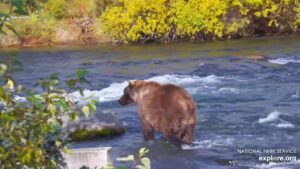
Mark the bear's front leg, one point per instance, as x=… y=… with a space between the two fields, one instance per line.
x=148 y=130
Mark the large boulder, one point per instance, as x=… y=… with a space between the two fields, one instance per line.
x=95 y=126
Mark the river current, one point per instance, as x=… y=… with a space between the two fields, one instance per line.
x=243 y=104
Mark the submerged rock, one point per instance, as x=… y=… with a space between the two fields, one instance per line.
x=94 y=126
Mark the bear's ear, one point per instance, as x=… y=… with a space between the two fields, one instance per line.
x=131 y=83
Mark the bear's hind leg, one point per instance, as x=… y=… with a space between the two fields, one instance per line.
x=148 y=131
x=175 y=140
x=173 y=135
x=188 y=135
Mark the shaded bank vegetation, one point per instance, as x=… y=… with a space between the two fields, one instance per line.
x=140 y=21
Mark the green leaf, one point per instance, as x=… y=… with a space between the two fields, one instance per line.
x=63 y=104
x=53 y=76
x=54 y=82
x=92 y=107
x=71 y=83
x=80 y=91
x=52 y=109
x=143 y=151
x=73 y=116
x=82 y=73
x=93 y=101
x=3 y=69
x=20 y=88
x=66 y=150
x=85 y=111
x=58 y=143
x=10 y=84
x=24 y=141
x=146 y=162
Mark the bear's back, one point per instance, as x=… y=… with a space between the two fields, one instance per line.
x=171 y=101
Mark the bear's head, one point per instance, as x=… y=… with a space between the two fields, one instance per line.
x=130 y=94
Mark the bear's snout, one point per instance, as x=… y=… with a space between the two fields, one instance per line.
x=121 y=102
x=124 y=100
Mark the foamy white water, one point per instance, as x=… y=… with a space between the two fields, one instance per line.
x=271 y=117
x=115 y=90
x=285 y=124
x=274 y=119
x=296 y=95
x=283 y=61
x=185 y=79
x=20 y=99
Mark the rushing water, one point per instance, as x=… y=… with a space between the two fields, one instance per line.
x=242 y=103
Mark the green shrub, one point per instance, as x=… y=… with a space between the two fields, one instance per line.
x=55 y=8
x=69 y=8
x=36 y=27
x=75 y=8
x=32 y=133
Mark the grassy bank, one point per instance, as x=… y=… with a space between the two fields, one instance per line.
x=142 y=21
x=34 y=31
x=52 y=22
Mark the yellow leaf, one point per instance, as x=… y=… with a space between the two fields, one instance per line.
x=10 y=84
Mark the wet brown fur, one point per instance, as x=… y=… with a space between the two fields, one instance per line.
x=165 y=108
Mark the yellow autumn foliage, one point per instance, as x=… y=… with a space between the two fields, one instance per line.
x=171 y=20
x=167 y=20
x=137 y=20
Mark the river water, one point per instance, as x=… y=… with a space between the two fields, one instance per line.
x=243 y=104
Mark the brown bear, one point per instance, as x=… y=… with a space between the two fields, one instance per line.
x=166 y=108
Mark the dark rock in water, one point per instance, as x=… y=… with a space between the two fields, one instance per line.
x=87 y=63
x=94 y=126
